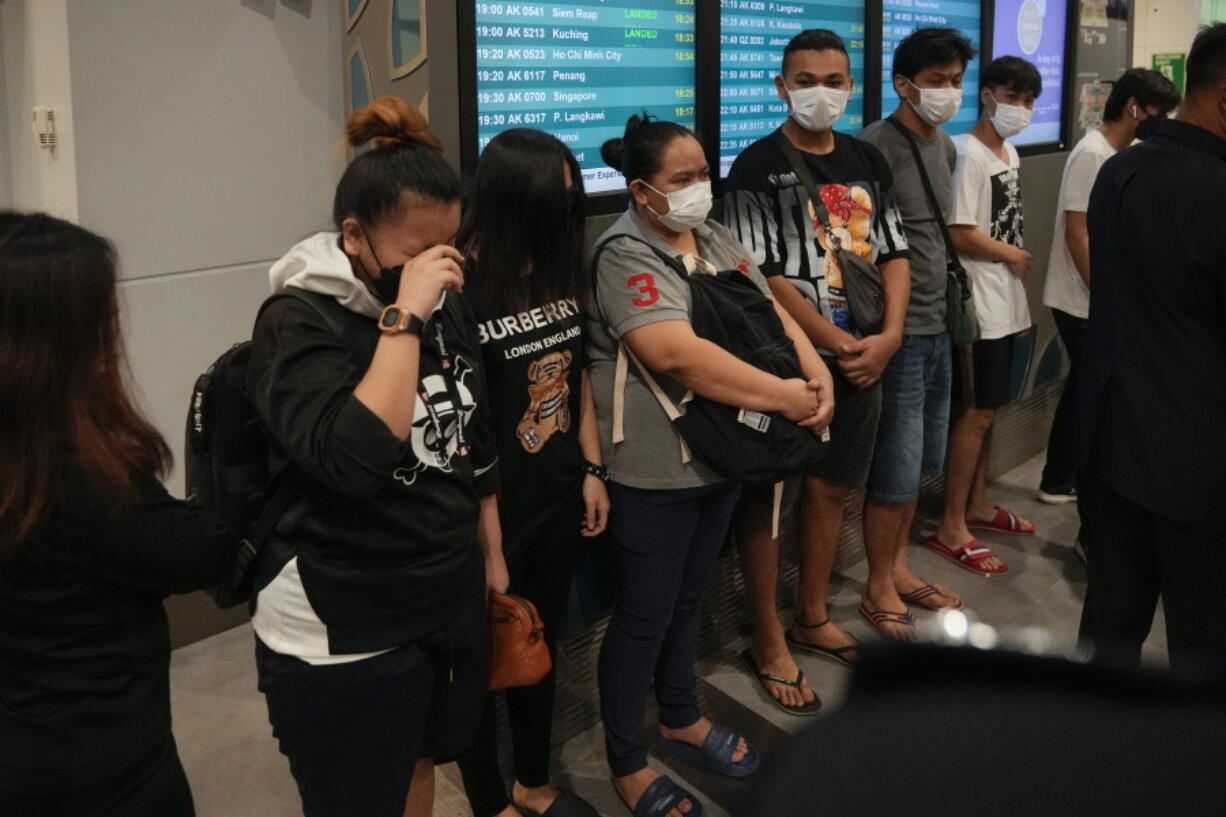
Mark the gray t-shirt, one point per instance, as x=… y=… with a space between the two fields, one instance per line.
x=634 y=287
x=926 y=312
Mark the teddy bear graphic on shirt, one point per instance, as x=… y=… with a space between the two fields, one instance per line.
x=548 y=409
x=851 y=220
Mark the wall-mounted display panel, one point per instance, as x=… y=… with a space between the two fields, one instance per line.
x=1036 y=30
x=902 y=17
x=579 y=70
x=753 y=35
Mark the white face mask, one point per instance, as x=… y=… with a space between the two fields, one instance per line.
x=1010 y=120
x=687 y=208
x=937 y=105
x=818 y=108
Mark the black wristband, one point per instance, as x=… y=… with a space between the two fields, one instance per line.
x=598 y=471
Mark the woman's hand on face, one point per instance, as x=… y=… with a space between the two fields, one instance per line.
x=596 y=506
x=799 y=401
x=427 y=276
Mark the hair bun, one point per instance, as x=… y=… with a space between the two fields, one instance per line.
x=390 y=120
x=612 y=152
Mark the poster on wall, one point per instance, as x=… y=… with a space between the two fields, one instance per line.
x=1102 y=55
x=752 y=38
x=579 y=70
x=1035 y=30
x=902 y=17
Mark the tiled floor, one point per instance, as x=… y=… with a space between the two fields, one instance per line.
x=236 y=771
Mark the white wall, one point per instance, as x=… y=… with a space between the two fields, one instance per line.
x=207 y=145
x=35 y=71
x=1163 y=27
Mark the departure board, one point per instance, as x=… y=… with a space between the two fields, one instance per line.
x=753 y=34
x=579 y=70
x=900 y=18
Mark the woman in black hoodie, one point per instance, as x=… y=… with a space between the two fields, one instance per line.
x=90 y=544
x=371 y=618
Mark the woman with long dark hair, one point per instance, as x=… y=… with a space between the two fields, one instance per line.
x=522 y=236
x=670 y=512
x=372 y=642
x=90 y=544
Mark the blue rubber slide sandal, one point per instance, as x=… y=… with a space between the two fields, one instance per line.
x=716 y=752
x=662 y=796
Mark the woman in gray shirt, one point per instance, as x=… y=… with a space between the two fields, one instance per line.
x=670 y=513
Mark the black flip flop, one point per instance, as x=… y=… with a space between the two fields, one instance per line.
x=811 y=708
x=836 y=654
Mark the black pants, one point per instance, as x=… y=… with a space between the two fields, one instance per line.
x=353 y=732
x=664 y=544
x=1137 y=556
x=155 y=785
x=1060 y=472
x=541 y=572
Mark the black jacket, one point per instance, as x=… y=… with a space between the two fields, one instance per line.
x=385 y=530
x=1152 y=394
x=84 y=643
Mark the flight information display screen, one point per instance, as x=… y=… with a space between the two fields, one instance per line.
x=901 y=17
x=579 y=70
x=1036 y=30
x=753 y=34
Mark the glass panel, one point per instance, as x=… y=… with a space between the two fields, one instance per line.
x=406 y=31
x=359 y=88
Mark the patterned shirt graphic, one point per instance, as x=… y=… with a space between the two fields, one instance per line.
x=768 y=209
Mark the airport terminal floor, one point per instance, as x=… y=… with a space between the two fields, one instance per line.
x=231 y=758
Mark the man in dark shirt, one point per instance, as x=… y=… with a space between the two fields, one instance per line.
x=768 y=207
x=1152 y=402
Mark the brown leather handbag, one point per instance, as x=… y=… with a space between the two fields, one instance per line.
x=519 y=656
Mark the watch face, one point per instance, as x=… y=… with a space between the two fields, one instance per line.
x=389 y=318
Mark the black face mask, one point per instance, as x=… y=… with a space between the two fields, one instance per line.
x=1149 y=126
x=387 y=285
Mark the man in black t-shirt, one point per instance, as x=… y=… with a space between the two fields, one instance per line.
x=769 y=209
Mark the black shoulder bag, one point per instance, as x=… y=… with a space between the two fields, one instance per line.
x=861 y=278
x=960 y=317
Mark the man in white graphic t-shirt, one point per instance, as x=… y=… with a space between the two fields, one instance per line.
x=985 y=224
x=1139 y=100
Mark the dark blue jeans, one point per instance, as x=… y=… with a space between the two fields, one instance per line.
x=664 y=545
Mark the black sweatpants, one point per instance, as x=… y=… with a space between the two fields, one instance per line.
x=1060 y=471
x=541 y=572
x=353 y=732
x=1138 y=556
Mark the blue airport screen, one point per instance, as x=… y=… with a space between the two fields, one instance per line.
x=579 y=70
x=753 y=34
x=1036 y=30
x=900 y=18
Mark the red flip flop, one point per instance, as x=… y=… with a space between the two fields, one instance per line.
x=967 y=557
x=1004 y=522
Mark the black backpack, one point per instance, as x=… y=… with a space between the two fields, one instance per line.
x=749 y=447
x=226 y=456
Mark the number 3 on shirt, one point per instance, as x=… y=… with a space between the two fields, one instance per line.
x=646 y=285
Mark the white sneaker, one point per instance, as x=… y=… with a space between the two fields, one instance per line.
x=1055 y=499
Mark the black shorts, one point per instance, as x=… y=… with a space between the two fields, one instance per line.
x=990 y=367
x=353 y=732
x=853 y=433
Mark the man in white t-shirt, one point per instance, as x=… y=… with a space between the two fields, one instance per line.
x=985 y=224
x=1139 y=100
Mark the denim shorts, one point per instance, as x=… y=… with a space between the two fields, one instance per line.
x=914 y=426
